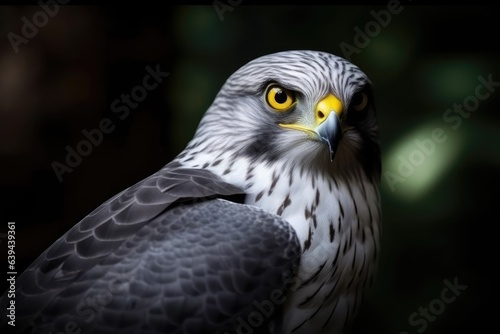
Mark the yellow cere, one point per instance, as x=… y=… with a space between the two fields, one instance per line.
x=328 y=104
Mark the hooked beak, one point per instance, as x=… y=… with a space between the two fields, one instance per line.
x=330 y=132
x=327 y=123
x=328 y=112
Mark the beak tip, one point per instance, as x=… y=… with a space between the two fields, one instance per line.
x=330 y=133
x=331 y=149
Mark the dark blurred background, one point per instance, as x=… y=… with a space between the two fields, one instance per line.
x=439 y=218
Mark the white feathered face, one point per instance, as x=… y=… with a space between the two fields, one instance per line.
x=310 y=108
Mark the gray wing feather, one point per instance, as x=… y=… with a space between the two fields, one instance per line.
x=133 y=266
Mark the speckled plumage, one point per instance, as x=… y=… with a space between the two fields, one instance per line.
x=334 y=207
x=308 y=227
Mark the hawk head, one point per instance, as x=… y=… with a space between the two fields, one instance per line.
x=312 y=109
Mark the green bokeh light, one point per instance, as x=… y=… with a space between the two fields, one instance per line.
x=193 y=92
x=390 y=52
x=420 y=160
x=450 y=80
x=200 y=28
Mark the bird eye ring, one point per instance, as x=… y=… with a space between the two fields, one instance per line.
x=279 y=98
x=359 y=101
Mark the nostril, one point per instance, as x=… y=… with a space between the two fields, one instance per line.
x=320 y=114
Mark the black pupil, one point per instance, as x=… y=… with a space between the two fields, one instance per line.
x=280 y=96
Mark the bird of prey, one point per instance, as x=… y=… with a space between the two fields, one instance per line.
x=267 y=222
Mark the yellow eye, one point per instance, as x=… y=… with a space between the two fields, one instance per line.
x=359 y=101
x=279 y=98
